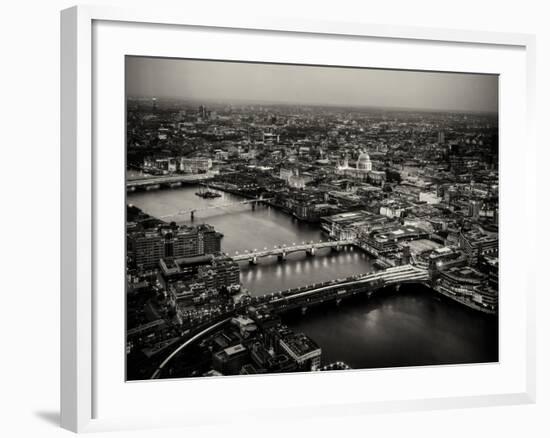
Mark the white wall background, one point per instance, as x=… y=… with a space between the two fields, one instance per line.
x=29 y=205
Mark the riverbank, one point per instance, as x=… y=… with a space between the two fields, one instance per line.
x=399 y=329
x=264 y=228
x=414 y=327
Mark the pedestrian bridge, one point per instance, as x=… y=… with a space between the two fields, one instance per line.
x=281 y=251
x=193 y=211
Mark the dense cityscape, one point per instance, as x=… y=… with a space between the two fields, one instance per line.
x=415 y=191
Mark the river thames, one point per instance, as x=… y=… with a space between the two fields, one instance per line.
x=413 y=327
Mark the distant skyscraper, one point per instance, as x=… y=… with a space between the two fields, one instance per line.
x=203 y=112
x=441 y=137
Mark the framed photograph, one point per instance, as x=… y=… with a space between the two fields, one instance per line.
x=287 y=218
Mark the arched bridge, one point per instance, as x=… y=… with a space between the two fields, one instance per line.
x=281 y=251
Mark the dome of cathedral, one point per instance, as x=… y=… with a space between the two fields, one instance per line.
x=363 y=162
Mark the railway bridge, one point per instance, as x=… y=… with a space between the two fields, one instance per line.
x=336 y=290
x=307 y=296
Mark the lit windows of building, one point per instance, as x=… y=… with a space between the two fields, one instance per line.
x=147 y=248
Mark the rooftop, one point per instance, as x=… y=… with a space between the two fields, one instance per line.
x=235 y=349
x=353 y=217
x=465 y=273
x=299 y=344
x=197 y=260
x=397 y=232
x=422 y=245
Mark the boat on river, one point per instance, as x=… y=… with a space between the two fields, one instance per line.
x=207 y=194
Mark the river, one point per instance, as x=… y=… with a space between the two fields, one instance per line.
x=413 y=327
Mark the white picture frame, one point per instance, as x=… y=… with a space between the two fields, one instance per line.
x=82 y=368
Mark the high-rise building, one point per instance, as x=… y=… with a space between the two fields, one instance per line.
x=186 y=242
x=149 y=247
x=203 y=112
x=211 y=239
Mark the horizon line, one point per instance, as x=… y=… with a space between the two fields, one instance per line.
x=253 y=102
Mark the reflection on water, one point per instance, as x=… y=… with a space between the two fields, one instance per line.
x=299 y=270
x=264 y=227
x=414 y=327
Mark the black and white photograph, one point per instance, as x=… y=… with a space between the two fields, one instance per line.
x=286 y=219
x=299 y=218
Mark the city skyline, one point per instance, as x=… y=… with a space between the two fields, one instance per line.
x=290 y=237
x=286 y=84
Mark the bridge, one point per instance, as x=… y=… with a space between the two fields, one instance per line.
x=192 y=211
x=155 y=182
x=338 y=289
x=281 y=251
x=304 y=297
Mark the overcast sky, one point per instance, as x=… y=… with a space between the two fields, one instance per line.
x=234 y=82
